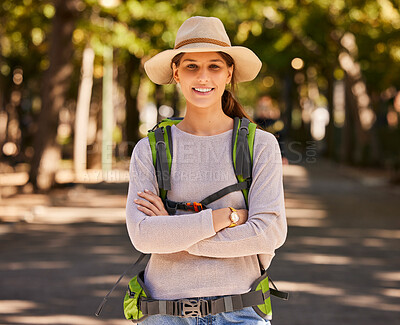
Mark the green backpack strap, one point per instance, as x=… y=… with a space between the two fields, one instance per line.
x=160 y=138
x=242 y=151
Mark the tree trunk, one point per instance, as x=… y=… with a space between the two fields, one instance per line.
x=348 y=134
x=288 y=102
x=54 y=87
x=330 y=134
x=363 y=115
x=82 y=112
x=131 y=92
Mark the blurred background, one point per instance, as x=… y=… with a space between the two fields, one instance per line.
x=74 y=100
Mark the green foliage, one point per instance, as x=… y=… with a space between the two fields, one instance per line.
x=276 y=30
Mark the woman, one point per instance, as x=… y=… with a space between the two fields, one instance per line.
x=207 y=254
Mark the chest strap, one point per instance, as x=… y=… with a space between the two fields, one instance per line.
x=197 y=307
x=172 y=206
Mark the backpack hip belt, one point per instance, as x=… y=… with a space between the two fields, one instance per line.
x=197 y=307
x=138 y=304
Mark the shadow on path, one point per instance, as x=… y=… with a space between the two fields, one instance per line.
x=340 y=262
x=341 y=259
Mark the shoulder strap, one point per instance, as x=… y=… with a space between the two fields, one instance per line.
x=242 y=151
x=160 y=139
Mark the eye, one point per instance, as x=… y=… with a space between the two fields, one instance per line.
x=214 y=66
x=191 y=66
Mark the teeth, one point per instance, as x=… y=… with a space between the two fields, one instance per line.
x=203 y=90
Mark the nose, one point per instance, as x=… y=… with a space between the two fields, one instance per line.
x=202 y=75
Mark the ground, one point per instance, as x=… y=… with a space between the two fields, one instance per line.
x=61 y=253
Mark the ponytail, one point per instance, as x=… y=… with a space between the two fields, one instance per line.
x=232 y=107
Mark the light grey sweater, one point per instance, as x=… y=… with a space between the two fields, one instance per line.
x=188 y=259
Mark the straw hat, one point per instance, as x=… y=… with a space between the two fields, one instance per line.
x=203 y=34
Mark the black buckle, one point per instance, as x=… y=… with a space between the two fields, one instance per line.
x=170 y=206
x=131 y=293
x=193 y=308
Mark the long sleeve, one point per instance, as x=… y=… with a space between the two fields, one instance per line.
x=159 y=234
x=266 y=228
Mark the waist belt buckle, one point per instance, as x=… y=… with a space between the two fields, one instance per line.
x=192 y=308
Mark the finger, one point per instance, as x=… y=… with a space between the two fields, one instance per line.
x=148 y=205
x=151 y=197
x=146 y=211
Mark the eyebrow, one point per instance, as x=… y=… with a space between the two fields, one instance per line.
x=191 y=60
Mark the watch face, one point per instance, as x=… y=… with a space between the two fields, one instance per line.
x=234 y=217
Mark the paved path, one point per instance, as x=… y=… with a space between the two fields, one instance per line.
x=341 y=261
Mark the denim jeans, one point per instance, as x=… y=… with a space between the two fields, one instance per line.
x=244 y=316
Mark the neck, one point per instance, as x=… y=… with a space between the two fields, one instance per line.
x=205 y=121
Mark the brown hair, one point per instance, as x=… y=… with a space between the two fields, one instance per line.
x=230 y=105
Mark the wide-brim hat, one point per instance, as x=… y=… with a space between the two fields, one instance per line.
x=203 y=34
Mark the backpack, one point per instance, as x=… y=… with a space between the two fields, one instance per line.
x=160 y=139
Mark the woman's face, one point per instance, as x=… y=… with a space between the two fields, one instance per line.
x=202 y=78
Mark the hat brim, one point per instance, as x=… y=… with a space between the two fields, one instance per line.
x=247 y=64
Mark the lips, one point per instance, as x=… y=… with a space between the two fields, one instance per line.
x=203 y=90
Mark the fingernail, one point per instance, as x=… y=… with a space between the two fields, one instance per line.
x=139 y=192
x=135 y=200
x=146 y=190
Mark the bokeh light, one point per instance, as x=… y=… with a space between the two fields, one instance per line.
x=297 y=63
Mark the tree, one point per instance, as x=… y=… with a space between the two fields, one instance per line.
x=54 y=88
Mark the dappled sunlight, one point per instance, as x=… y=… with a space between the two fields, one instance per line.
x=62 y=319
x=343 y=296
x=41 y=265
x=325 y=259
x=306 y=213
x=309 y=258
x=311 y=288
x=68 y=215
x=384 y=233
x=388 y=276
x=373 y=242
x=312 y=223
x=362 y=232
x=99 y=279
x=367 y=301
x=395 y=293
x=304 y=202
x=321 y=241
x=106 y=250
x=16 y=306
x=123 y=259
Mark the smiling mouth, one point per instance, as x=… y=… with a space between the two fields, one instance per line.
x=203 y=90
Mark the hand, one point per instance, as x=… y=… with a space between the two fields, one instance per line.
x=152 y=204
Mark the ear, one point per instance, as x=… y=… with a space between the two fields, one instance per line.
x=175 y=73
x=230 y=74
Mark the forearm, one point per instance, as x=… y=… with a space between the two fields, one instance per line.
x=260 y=235
x=221 y=219
x=168 y=234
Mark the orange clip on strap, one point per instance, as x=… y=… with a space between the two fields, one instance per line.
x=195 y=206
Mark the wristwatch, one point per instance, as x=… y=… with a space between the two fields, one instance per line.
x=234 y=217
